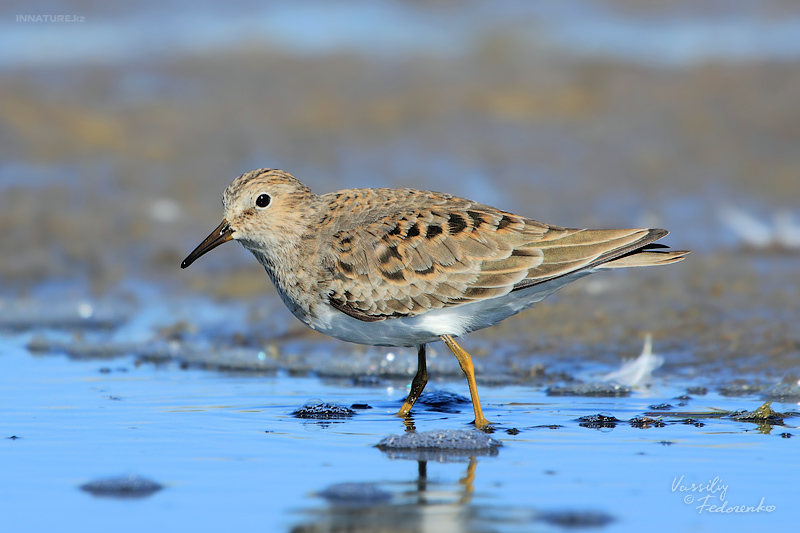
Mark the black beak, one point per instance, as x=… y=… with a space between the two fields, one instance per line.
x=221 y=235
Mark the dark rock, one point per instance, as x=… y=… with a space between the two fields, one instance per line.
x=319 y=410
x=122 y=487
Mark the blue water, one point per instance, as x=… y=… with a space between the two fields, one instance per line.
x=231 y=456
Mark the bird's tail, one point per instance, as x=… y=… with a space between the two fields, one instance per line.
x=649 y=255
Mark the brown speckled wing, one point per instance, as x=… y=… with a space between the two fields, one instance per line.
x=424 y=251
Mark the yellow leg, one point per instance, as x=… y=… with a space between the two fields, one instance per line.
x=465 y=361
x=468 y=481
x=417 y=384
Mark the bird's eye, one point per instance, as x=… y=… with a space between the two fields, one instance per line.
x=263 y=200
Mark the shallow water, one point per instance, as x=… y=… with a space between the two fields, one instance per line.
x=231 y=456
x=118 y=369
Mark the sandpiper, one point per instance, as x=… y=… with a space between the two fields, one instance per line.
x=405 y=267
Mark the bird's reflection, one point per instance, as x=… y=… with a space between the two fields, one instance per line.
x=423 y=503
x=416 y=504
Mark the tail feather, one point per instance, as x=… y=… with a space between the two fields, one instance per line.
x=646 y=258
x=651 y=254
x=575 y=250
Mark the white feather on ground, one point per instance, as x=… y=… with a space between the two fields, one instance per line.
x=639 y=371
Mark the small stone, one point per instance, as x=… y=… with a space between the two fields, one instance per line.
x=319 y=410
x=452 y=439
x=355 y=494
x=763 y=414
x=644 y=422
x=122 y=487
x=594 y=390
x=598 y=421
x=576 y=519
x=442 y=398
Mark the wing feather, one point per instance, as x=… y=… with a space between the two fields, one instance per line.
x=427 y=251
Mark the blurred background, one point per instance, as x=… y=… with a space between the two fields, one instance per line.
x=121 y=124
